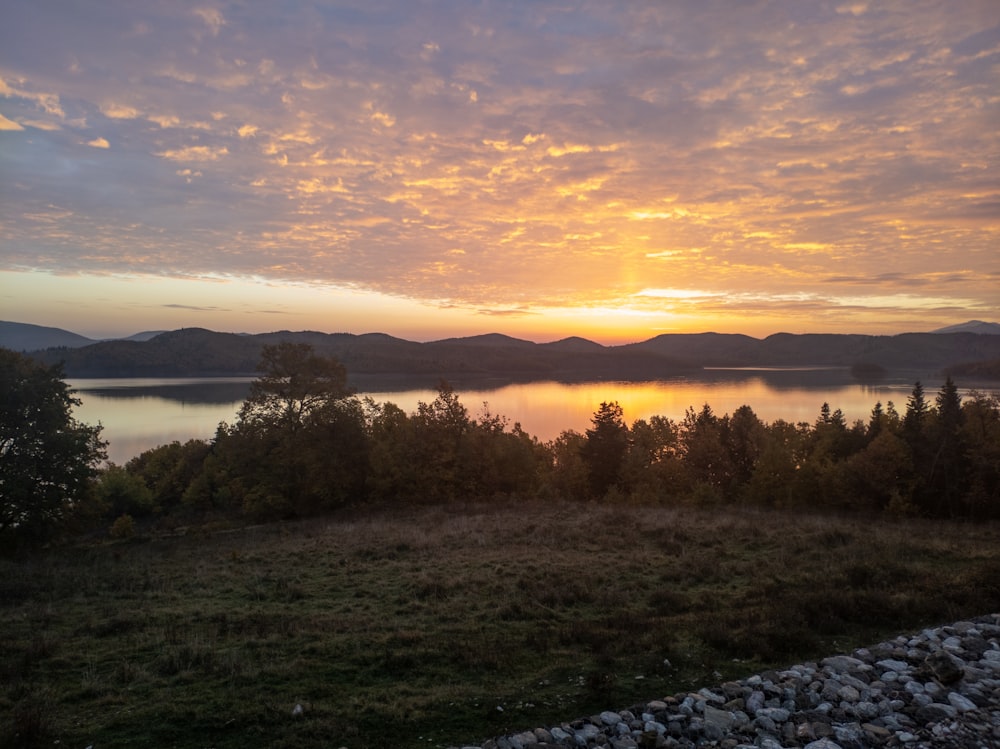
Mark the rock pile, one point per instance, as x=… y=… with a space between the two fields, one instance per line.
x=940 y=689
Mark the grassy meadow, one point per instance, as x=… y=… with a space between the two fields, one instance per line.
x=439 y=626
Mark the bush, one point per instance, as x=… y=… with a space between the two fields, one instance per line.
x=123 y=527
x=121 y=492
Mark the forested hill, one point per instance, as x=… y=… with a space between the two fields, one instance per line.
x=199 y=352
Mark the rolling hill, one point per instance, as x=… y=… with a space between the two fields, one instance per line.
x=201 y=352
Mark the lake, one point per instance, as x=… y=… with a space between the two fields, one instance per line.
x=138 y=414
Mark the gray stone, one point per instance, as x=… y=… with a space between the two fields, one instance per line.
x=527 y=738
x=710 y=696
x=712 y=732
x=843 y=663
x=848 y=694
x=766 y=724
x=921 y=700
x=777 y=714
x=654 y=726
x=721 y=718
x=822 y=744
x=960 y=703
x=879 y=733
x=848 y=733
x=587 y=731
x=914 y=687
x=890 y=664
x=755 y=702
x=625 y=742
x=946 y=667
x=953 y=643
x=866 y=710
x=875 y=699
x=830 y=689
x=935 y=712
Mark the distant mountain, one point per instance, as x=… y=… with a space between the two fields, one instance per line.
x=574 y=343
x=200 y=352
x=20 y=336
x=144 y=336
x=912 y=351
x=488 y=339
x=973 y=326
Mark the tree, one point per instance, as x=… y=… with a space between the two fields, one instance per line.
x=915 y=417
x=744 y=437
x=706 y=460
x=774 y=477
x=440 y=432
x=389 y=433
x=48 y=459
x=652 y=470
x=877 y=422
x=880 y=477
x=295 y=384
x=981 y=433
x=170 y=470
x=567 y=472
x=298 y=445
x=604 y=451
x=949 y=467
x=121 y=492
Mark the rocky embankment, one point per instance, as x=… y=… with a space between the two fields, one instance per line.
x=939 y=688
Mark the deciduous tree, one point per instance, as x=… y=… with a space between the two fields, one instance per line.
x=298 y=444
x=48 y=459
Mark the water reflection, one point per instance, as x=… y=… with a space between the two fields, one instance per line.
x=142 y=413
x=138 y=414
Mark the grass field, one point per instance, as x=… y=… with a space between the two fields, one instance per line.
x=443 y=626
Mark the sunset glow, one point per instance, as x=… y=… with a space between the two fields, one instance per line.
x=607 y=170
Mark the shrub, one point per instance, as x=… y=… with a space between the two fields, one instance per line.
x=123 y=527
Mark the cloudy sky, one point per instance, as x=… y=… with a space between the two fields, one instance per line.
x=543 y=169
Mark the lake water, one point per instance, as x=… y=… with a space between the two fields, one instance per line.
x=138 y=414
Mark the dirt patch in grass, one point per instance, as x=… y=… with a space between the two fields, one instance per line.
x=412 y=628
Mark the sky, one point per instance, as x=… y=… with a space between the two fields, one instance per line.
x=613 y=170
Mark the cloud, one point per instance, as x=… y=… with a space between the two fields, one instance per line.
x=99 y=143
x=195 y=308
x=195 y=153
x=504 y=156
x=45 y=101
x=119 y=111
x=41 y=125
x=855 y=9
x=6 y=124
x=212 y=18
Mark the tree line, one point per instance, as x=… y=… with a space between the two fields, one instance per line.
x=303 y=444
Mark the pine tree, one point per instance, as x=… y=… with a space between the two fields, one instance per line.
x=948 y=472
x=604 y=451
